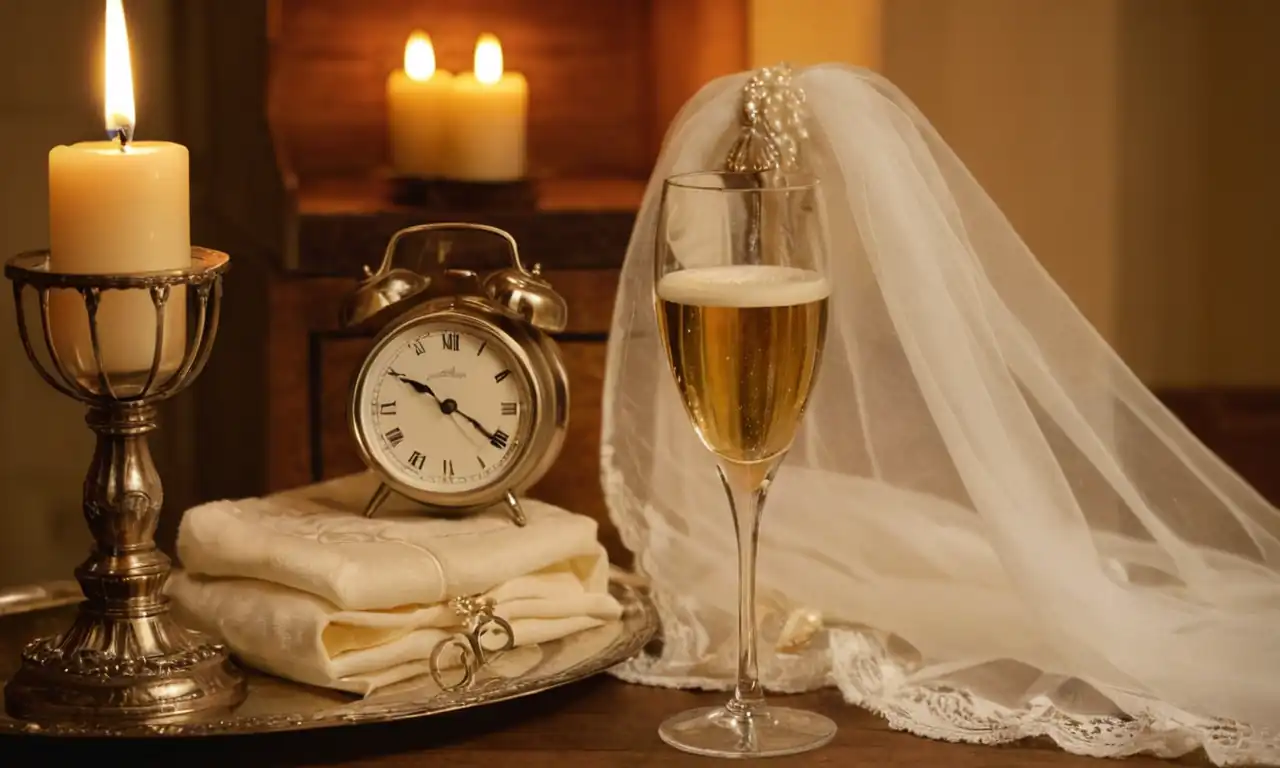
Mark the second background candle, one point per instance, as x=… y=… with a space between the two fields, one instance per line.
x=466 y=128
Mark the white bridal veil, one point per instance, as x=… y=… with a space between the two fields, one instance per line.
x=1000 y=530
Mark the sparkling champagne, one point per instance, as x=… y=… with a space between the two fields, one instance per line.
x=744 y=342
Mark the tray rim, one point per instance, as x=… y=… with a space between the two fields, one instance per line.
x=45 y=595
x=57 y=594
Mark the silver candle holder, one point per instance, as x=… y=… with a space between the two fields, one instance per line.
x=124 y=658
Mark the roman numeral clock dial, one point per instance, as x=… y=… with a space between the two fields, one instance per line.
x=445 y=409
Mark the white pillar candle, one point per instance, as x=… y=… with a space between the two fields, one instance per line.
x=418 y=99
x=116 y=208
x=487 y=132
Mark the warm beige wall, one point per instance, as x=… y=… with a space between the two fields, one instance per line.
x=1160 y=308
x=49 y=94
x=807 y=32
x=1130 y=142
x=44 y=447
x=1199 y=116
x=1025 y=92
x=1240 y=195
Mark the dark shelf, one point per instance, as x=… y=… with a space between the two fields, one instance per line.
x=344 y=225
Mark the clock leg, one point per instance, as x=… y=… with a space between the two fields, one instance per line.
x=376 y=500
x=513 y=507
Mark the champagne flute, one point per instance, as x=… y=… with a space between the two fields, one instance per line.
x=741 y=295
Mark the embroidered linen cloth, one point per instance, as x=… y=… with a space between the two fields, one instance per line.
x=301 y=585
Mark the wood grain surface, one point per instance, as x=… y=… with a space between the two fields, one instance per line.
x=598 y=723
x=1241 y=425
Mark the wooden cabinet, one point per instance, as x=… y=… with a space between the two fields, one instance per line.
x=288 y=143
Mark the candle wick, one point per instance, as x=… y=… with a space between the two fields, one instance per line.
x=123 y=134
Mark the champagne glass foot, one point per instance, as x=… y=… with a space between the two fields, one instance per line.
x=763 y=732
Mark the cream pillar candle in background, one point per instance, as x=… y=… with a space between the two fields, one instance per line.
x=418 y=99
x=487 y=132
x=118 y=207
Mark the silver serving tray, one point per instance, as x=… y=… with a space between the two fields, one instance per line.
x=275 y=705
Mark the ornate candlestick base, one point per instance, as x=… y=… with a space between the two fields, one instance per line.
x=124 y=657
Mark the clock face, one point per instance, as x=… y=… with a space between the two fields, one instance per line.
x=445 y=408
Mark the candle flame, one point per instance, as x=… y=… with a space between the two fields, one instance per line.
x=419 y=57
x=488 y=59
x=119 y=110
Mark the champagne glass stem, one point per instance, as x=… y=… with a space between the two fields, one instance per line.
x=746 y=485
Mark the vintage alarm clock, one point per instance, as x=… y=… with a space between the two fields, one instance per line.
x=463 y=401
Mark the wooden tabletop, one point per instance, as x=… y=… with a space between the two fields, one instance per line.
x=593 y=724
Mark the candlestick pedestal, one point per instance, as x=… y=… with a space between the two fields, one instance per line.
x=124 y=658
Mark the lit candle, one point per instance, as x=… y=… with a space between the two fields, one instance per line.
x=118 y=206
x=488 y=127
x=418 y=111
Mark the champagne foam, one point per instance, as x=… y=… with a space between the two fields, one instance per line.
x=743 y=286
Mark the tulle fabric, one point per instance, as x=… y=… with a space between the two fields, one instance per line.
x=1005 y=533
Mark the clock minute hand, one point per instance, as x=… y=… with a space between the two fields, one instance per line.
x=488 y=435
x=448 y=405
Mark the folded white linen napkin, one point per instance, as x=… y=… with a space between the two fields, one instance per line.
x=301 y=585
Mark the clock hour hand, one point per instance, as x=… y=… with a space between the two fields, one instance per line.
x=416 y=386
x=448 y=405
